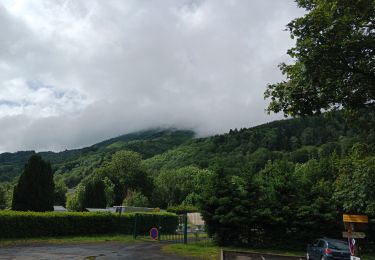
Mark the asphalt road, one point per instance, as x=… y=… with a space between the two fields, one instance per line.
x=107 y=250
x=232 y=255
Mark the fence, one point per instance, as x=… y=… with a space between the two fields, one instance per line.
x=184 y=232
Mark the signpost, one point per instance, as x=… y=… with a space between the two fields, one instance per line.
x=154 y=233
x=355 y=218
x=354 y=224
x=353 y=235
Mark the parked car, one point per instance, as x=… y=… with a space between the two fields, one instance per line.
x=327 y=249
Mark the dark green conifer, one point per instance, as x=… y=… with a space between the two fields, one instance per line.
x=35 y=188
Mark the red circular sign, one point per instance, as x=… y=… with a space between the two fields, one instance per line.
x=154 y=233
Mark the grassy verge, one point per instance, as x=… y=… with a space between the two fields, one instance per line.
x=207 y=250
x=202 y=250
x=70 y=239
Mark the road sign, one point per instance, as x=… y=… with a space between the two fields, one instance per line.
x=154 y=233
x=351 y=242
x=355 y=218
x=354 y=235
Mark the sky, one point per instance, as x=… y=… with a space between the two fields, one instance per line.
x=76 y=72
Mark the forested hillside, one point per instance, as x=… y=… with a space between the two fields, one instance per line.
x=80 y=162
x=293 y=177
x=249 y=149
x=297 y=140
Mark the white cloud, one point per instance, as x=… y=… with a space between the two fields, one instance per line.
x=75 y=72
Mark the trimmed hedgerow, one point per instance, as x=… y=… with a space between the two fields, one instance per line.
x=14 y=224
x=182 y=209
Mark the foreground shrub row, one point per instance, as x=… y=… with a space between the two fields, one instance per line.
x=15 y=224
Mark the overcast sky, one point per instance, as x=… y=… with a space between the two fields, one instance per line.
x=73 y=73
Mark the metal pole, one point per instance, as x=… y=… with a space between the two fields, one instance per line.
x=135 y=226
x=159 y=228
x=185 y=228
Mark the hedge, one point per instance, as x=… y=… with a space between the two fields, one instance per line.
x=182 y=209
x=16 y=224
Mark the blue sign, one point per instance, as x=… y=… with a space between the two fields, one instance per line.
x=154 y=233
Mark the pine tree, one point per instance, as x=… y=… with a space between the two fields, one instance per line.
x=35 y=188
x=225 y=208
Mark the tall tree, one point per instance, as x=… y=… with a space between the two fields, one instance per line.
x=334 y=59
x=127 y=173
x=60 y=193
x=35 y=188
x=94 y=195
x=2 y=198
x=225 y=208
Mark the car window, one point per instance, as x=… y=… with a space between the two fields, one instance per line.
x=338 y=245
x=322 y=243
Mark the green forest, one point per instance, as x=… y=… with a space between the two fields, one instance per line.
x=289 y=179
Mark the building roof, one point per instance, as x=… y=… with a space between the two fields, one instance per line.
x=99 y=210
x=59 y=208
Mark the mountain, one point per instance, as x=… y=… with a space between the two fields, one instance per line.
x=82 y=161
x=245 y=150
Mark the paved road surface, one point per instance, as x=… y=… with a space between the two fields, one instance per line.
x=231 y=255
x=107 y=250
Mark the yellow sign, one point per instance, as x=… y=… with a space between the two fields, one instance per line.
x=355 y=218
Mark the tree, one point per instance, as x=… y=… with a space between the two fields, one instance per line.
x=109 y=189
x=354 y=187
x=35 y=188
x=334 y=64
x=74 y=201
x=135 y=199
x=60 y=193
x=126 y=173
x=94 y=195
x=173 y=187
x=225 y=208
x=2 y=198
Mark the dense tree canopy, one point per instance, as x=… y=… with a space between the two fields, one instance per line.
x=287 y=180
x=180 y=186
x=2 y=198
x=334 y=59
x=94 y=193
x=135 y=199
x=35 y=188
x=60 y=193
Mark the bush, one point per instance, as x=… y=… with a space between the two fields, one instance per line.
x=135 y=199
x=182 y=209
x=35 y=224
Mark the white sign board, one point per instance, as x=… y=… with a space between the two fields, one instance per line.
x=354 y=234
x=354 y=258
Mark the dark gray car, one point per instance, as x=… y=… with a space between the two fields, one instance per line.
x=327 y=249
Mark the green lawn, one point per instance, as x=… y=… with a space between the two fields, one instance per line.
x=71 y=239
x=202 y=249
x=207 y=250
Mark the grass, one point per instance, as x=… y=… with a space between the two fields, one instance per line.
x=69 y=240
x=207 y=250
x=202 y=250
